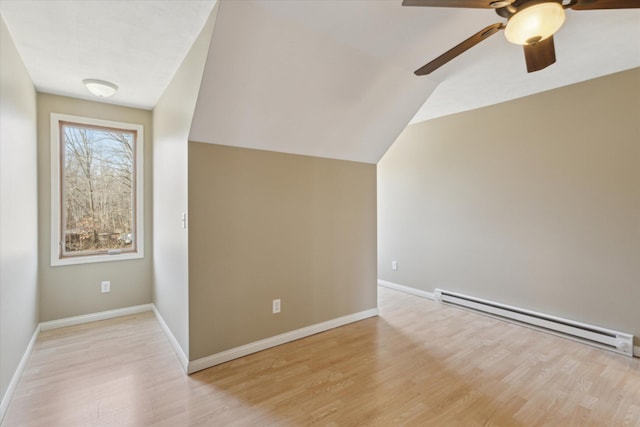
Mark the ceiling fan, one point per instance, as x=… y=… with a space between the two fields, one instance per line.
x=530 y=23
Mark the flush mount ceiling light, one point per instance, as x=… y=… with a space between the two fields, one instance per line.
x=534 y=23
x=100 y=88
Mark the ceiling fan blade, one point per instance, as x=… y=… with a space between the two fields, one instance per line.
x=540 y=55
x=462 y=47
x=484 y=4
x=606 y=4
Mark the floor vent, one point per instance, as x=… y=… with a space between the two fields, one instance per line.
x=593 y=335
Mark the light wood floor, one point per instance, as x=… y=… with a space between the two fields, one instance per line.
x=419 y=363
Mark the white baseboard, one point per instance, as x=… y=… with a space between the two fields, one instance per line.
x=234 y=353
x=6 y=399
x=407 y=289
x=182 y=357
x=93 y=317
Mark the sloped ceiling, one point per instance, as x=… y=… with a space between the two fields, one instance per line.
x=591 y=44
x=272 y=83
x=330 y=78
x=334 y=78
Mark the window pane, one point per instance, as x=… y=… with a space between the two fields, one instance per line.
x=98 y=189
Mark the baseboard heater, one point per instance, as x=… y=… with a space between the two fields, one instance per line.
x=593 y=335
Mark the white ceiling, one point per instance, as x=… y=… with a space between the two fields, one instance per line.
x=138 y=45
x=589 y=45
x=272 y=83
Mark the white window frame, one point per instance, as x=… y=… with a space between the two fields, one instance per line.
x=56 y=194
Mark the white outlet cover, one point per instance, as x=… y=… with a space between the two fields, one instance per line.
x=106 y=286
x=276 y=306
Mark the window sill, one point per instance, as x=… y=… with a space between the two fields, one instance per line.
x=90 y=259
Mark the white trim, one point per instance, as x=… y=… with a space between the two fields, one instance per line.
x=182 y=357
x=6 y=399
x=234 y=353
x=407 y=289
x=93 y=317
x=56 y=237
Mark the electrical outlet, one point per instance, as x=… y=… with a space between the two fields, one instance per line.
x=394 y=265
x=276 y=306
x=106 y=286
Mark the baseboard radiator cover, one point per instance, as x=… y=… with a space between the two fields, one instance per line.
x=608 y=339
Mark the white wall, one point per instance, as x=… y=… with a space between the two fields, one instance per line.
x=171 y=124
x=18 y=211
x=534 y=202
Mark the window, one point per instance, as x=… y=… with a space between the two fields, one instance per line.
x=96 y=190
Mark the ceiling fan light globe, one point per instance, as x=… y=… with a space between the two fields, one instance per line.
x=535 y=23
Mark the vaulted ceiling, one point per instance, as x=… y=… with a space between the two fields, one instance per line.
x=271 y=82
x=331 y=78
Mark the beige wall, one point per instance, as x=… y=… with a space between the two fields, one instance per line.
x=533 y=202
x=171 y=124
x=266 y=225
x=18 y=211
x=75 y=290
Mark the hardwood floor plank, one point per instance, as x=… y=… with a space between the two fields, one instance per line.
x=419 y=363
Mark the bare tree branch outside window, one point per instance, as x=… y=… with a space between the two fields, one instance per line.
x=98 y=189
